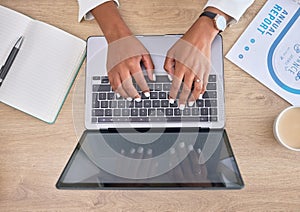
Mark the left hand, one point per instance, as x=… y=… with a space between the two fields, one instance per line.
x=188 y=62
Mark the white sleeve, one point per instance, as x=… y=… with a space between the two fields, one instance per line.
x=233 y=8
x=85 y=6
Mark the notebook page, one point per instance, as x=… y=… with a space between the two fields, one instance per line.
x=12 y=26
x=43 y=71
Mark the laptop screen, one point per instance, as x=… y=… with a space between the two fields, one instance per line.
x=186 y=158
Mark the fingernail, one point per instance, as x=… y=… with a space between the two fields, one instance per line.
x=172 y=150
x=118 y=95
x=171 y=101
x=200 y=96
x=154 y=77
x=181 y=144
x=147 y=94
x=170 y=77
x=190 y=147
x=129 y=99
x=149 y=151
x=191 y=104
x=138 y=99
x=181 y=106
x=132 y=150
x=140 y=150
x=122 y=151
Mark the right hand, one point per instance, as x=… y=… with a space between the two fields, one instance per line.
x=124 y=60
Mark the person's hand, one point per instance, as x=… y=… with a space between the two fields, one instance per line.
x=188 y=62
x=124 y=60
x=125 y=53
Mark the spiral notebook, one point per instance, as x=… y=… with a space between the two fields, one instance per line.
x=45 y=67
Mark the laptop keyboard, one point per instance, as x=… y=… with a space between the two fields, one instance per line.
x=106 y=107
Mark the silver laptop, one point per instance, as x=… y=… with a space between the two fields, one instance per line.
x=151 y=144
x=104 y=110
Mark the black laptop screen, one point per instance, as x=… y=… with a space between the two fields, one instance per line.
x=152 y=159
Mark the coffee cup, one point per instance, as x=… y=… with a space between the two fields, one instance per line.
x=286 y=128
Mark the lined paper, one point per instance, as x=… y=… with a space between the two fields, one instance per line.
x=43 y=71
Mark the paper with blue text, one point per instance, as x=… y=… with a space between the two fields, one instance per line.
x=269 y=49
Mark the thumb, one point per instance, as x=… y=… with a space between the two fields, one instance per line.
x=147 y=61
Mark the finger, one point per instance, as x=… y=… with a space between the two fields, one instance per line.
x=205 y=81
x=116 y=84
x=128 y=86
x=169 y=65
x=140 y=80
x=177 y=80
x=186 y=88
x=148 y=63
x=137 y=155
x=196 y=93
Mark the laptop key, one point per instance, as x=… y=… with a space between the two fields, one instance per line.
x=153 y=95
x=113 y=104
x=164 y=103
x=162 y=95
x=160 y=112
x=101 y=120
x=156 y=103
x=204 y=111
x=186 y=111
x=94 y=120
x=125 y=112
x=104 y=104
x=210 y=103
x=195 y=111
x=95 y=102
x=199 y=103
x=212 y=78
x=108 y=112
x=134 y=112
x=111 y=96
x=210 y=95
x=162 y=78
x=203 y=119
x=101 y=88
x=138 y=104
x=143 y=112
x=169 y=112
x=117 y=112
x=177 y=112
x=98 y=112
x=147 y=103
x=166 y=87
x=211 y=86
x=151 y=112
x=121 y=104
x=213 y=111
x=213 y=119
x=139 y=119
x=158 y=87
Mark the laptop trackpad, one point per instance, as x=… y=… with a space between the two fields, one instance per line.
x=157 y=158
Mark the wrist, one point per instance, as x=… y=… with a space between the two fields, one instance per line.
x=110 y=21
x=201 y=33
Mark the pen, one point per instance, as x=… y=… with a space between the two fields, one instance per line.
x=9 y=61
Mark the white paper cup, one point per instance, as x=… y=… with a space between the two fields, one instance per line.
x=286 y=125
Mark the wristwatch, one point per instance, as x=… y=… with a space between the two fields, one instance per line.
x=219 y=20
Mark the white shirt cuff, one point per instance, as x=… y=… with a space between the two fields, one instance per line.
x=234 y=8
x=85 y=7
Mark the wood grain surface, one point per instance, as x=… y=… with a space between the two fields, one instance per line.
x=33 y=154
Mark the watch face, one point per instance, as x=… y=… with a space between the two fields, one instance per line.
x=221 y=22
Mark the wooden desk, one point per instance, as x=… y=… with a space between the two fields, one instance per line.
x=33 y=154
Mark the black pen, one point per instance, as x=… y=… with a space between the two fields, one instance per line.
x=12 y=55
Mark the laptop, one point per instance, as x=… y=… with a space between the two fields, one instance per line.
x=151 y=144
